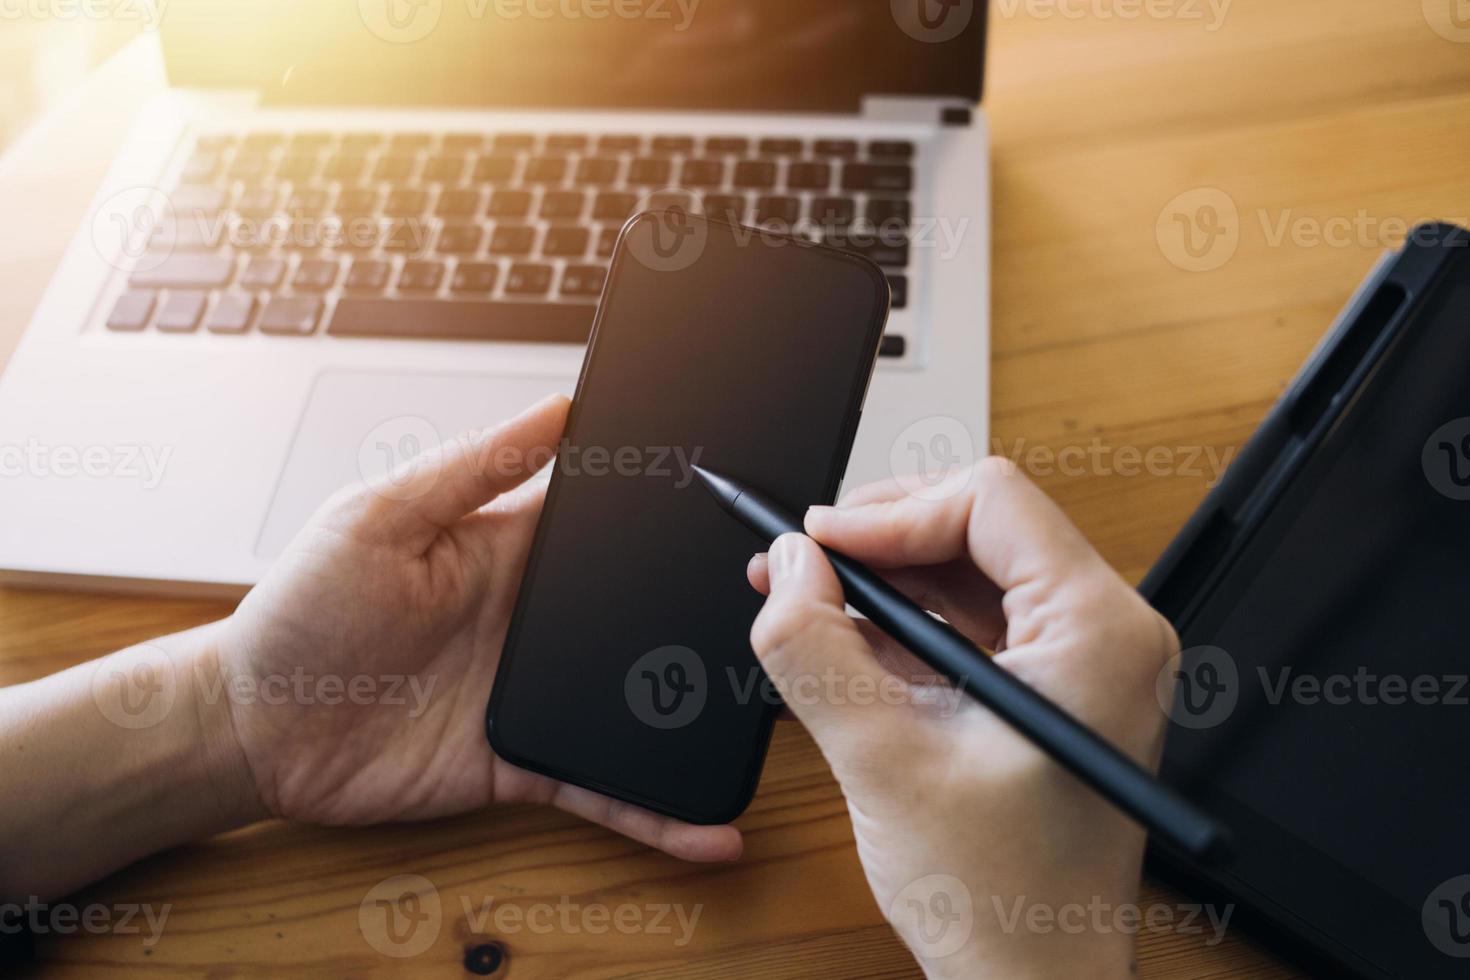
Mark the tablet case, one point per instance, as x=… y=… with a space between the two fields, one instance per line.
x=1382 y=311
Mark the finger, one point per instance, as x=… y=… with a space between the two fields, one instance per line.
x=872 y=493
x=674 y=837
x=810 y=647
x=957 y=591
x=435 y=490
x=1001 y=521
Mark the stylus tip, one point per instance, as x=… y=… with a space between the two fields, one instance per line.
x=720 y=487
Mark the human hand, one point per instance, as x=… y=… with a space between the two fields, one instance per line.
x=955 y=814
x=405 y=589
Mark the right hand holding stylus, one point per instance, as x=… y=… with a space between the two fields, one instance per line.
x=962 y=826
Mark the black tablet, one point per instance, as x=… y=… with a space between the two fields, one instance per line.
x=1322 y=595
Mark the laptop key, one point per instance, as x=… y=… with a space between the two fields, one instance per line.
x=308 y=142
x=780 y=147
x=513 y=240
x=459 y=203
x=566 y=241
x=408 y=142
x=132 y=310
x=563 y=205
x=808 y=176
x=368 y=276
x=344 y=166
x=407 y=236
x=607 y=240
x=475 y=277
x=256 y=202
x=463 y=142
x=528 y=279
x=188 y=271
x=405 y=202
x=494 y=170
x=249 y=165
x=737 y=145
x=890 y=212
x=566 y=143
x=878 y=177
x=202 y=166
x=446 y=169
x=360 y=143
x=673 y=144
x=231 y=314
x=647 y=170
x=421 y=277
x=263 y=272
x=898 y=286
x=834 y=213
x=291 y=315
x=420 y=319
x=877 y=249
x=514 y=142
x=703 y=173
x=725 y=207
x=835 y=148
x=298 y=166
x=308 y=201
x=597 y=170
x=614 y=206
x=892 y=149
x=545 y=170
x=460 y=238
x=783 y=211
x=509 y=204
x=197 y=199
x=893 y=345
x=619 y=143
x=315 y=275
x=262 y=142
x=394 y=167
x=181 y=310
x=758 y=174
x=357 y=202
x=583 y=280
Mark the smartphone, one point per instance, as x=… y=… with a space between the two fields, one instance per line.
x=627 y=668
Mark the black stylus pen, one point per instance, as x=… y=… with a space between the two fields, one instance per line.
x=1120 y=780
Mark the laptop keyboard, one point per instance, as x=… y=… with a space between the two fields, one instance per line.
x=470 y=236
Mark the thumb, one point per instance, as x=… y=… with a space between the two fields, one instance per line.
x=812 y=649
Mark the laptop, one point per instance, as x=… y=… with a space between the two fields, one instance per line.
x=350 y=231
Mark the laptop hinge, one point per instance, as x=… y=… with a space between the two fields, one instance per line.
x=912 y=109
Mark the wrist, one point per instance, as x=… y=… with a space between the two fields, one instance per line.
x=220 y=764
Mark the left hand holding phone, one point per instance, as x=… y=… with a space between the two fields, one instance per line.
x=406 y=589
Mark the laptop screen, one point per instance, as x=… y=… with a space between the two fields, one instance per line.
x=802 y=55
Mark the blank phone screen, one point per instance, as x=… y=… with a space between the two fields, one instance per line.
x=628 y=666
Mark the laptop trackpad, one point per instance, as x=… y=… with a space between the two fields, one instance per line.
x=357 y=425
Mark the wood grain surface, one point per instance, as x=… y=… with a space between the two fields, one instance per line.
x=1317 y=129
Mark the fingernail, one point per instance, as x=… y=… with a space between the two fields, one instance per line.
x=782 y=558
x=816 y=516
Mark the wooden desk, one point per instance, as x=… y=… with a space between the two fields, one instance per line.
x=1300 y=113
